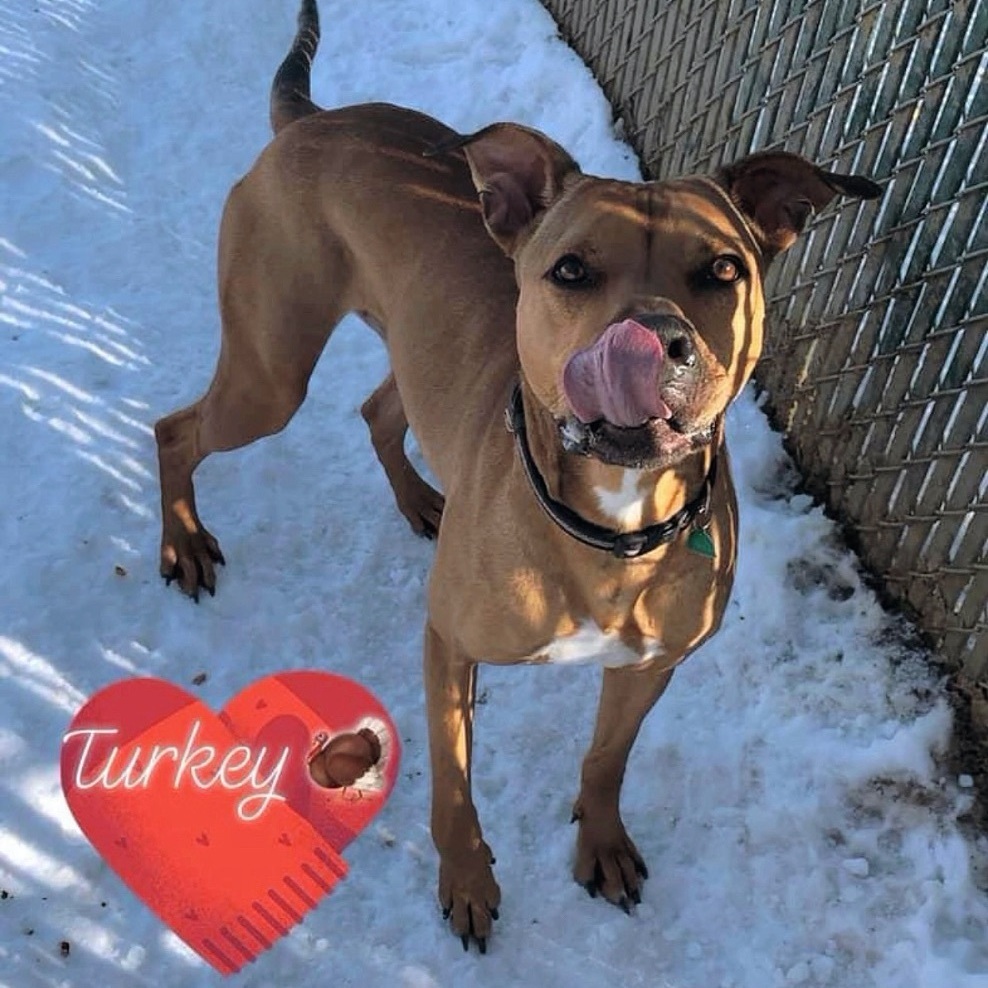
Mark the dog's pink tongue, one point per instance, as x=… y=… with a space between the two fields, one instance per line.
x=617 y=378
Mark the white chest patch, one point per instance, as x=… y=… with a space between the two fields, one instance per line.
x=589 y=644
x=626 y=506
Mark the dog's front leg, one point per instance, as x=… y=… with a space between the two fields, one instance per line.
x=607 y=860
x=467 y=891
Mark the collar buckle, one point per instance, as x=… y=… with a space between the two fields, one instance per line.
x=630 y=545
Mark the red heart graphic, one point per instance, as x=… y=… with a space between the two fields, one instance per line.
x=214 y=821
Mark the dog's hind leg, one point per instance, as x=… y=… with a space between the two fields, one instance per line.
x=276 y=320
x=246 y=400
x=385 y=417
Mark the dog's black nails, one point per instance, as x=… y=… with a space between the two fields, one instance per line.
x=625 y=905
x=493 y=860
x=574 y=817
x=591 y=888
x=465 y=940
x=168 y=580
x=447 y=912
x=495 y=914
x=636 y=897
x=641 y=869
x=482 y=944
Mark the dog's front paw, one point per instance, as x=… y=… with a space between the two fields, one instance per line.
x=607 y=861
x=469 y=896
x=188 y=558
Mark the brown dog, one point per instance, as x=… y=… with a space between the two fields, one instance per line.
x=614 y=321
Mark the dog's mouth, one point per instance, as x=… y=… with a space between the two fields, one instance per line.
x=620 y=413
x=653 y=445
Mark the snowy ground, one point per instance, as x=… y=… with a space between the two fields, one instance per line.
x=785 y=792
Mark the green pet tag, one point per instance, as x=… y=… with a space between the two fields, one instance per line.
x=701 y=543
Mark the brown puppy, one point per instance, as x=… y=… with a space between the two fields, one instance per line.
x=615 y=321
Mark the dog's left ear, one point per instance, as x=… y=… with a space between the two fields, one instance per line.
x=518 y=172
x=779 y=192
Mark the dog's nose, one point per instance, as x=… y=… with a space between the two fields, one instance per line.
x=675 y=334
x=680 y=349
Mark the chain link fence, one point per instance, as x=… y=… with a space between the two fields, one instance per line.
x=877 y=357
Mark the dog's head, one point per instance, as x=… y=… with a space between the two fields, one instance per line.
x=640 y=311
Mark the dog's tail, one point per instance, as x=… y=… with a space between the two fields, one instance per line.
x=290 y=89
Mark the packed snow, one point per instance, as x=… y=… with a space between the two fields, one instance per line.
x=787 y=792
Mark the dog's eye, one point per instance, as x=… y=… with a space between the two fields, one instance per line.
x=726 y=269
x=570 y=272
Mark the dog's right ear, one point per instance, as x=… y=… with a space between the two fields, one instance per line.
x=517 y=171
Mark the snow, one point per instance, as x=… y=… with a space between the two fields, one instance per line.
x=786 y=792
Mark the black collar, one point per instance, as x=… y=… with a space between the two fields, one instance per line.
x=623 y=545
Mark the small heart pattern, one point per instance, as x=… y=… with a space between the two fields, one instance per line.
x=214 y=820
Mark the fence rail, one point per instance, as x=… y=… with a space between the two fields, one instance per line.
x=877 y=356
